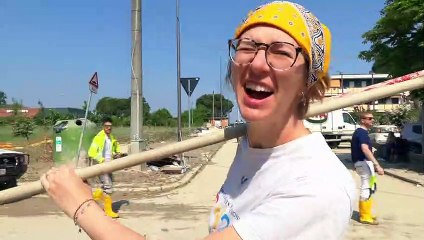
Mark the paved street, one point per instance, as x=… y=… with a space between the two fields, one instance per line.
x=183 y=213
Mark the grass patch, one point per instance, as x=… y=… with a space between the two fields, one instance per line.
x=6 y=136
x=152 y=134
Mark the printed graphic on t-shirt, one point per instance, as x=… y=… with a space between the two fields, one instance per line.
x=222 y=213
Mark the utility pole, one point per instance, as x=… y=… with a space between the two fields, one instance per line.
x=179 y=133
x=220 y=84
x=136 y=79
x=213 y=108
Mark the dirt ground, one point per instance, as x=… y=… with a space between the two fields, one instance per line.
x=183 y=213
x=136 y=177
x=42 y=160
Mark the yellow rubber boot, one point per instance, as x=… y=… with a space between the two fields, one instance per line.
x=371 y=212
x=97 y=194
x=365 y=215
x=108 y=206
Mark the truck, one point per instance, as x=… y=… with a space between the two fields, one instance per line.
x=336 y=126
x=13 y=165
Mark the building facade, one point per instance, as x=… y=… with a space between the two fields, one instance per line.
x=351 y=83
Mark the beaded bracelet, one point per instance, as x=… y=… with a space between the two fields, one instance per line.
x=76 y=215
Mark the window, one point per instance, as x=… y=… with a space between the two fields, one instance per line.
x=351 y=84
x=383 y=101
x=395 y=100
x=348 y=119
x=417 y=129
x=357 y=84
x=369 y=82
x=363 y=83
x=345 y=83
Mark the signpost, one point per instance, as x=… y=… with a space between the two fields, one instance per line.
x=189 y=84
x=93 y=85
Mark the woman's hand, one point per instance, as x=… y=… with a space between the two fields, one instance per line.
x=66 y=188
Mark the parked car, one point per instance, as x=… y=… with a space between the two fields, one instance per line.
x=12 y=166
x=378 y=134
x=413 y=133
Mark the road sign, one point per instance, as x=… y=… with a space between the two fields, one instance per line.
x=189 y=84
x=94 y=83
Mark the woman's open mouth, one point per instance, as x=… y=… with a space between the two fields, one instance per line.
x=257 y=92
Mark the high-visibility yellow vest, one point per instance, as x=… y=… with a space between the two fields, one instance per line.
x=96 y=148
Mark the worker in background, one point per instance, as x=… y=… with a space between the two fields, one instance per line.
x=103 y=149
x=366 y=166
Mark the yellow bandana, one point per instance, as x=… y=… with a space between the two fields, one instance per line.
x=300 y=24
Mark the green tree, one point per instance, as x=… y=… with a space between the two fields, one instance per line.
x=95 y=117
x=200 y=115
x=206 y=101
x=41 y=117
x=23 y=127
x=401 y=115
x=161 y=117
x=120 y=107
x=84 y=105
x=53 y=116
x=16 y=107
x=146 y=110
x=114 y=106
x=397 y=40
x=3 y=98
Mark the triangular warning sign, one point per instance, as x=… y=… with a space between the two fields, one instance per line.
x=189 y=84
x=94 y=83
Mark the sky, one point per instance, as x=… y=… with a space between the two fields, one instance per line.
x=49 y=49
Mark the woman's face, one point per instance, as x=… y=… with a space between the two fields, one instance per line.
x=264 y=93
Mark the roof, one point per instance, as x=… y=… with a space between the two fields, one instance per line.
x=3 y=151
x=28 y=112
x=361 y=76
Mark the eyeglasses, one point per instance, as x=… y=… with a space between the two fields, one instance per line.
x=107 y=126
x=368 y=118
x=279 y=55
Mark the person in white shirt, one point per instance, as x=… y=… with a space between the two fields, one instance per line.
x=285 y=182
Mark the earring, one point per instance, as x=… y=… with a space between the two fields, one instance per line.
x=303 y=99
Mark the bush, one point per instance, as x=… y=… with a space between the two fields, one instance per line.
x=398 y=116
x=23 y=127
x=7 y=120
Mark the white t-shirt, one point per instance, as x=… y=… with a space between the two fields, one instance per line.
x=298 y=190
x=108 y=150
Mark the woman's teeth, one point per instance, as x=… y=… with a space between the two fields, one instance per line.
x=257 y=88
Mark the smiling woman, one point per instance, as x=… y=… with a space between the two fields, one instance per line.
x=284 y=182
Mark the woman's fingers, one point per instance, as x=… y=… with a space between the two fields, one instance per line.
x=65 y=188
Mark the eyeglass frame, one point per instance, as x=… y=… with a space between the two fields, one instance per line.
x=267 y=46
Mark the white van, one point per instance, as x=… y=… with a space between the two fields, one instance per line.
x=349 y=126
x=335 y=126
